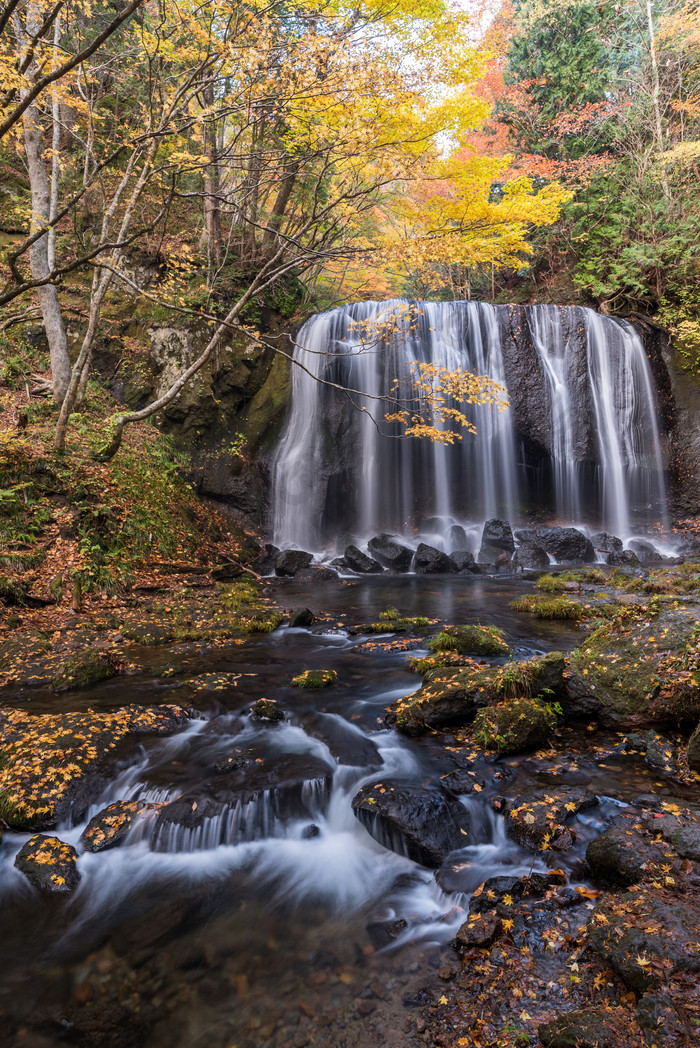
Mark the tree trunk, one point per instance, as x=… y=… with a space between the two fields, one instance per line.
x=212 y=212
x=291 y=169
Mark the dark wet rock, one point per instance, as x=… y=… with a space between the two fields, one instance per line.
x=540 y=883
x=514 y=726
x=585 y=1028
x=347 y=744
x=494 y=892
x=232 y=763
x=659 y=753
x=488 y=555
x=567 y=544
x=503 y=561
x=647 y=935
x=265 y=563
x=454 y=696
x=316 y=573
x=381 y=933
x=606 y=543
x=290 y=561
x=661 y=1023
x=537 y=819
x=499 y=534
x=693 y=751
x=622 y=856
x=110 y=826
x=646 y=553
x=49 y=863
x=530 y=555
x=681 y=831
x=480 y=929
x=464 y=563
x=239 y=805
x=623 y=558
x=83 y=669
x=431 y=561
x=359 y=562
x=267 y=710
x=392 y=554
x=457 y=541
x=424 y=825
x=310 y=832
x=301 y=618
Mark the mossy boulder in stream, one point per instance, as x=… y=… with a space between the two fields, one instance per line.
x=49 y=863
x=110 y=826
x=469 y=640
x=514 y=726
x=83 y=669
x=454 y=696
x=638 y=669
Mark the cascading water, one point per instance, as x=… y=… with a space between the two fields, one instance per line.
x=583 y=416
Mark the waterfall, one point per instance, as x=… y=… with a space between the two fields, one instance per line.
x=581 y=439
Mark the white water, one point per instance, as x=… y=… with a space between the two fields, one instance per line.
x=341 y=472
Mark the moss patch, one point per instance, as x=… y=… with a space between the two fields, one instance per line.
x=514 y=726
x=315 y=679
x=470 y=640
x=83 y=669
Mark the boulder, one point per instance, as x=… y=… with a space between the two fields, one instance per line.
x=431 y=561
x=359 y=562
x=110 y=826
x=515 y=726
x=422 y=824
x=290 y=561
x=648 y=935
x=646 y=553
x=265 y=563
x=480 y=929
x=390 y=553
x=622 y=856
x=499 y=534
x=267 y=710
x=488 y=555
x=457 y=541
x=301 y=618
x=536 y=819
x=567 y=544
x=316 y=573
x=661 y=1023
x=586 y=1028
x=623 y=558
x=491 y=894
x=530 y=555
x=49 y=863
x=606 y=543
x=464 y=563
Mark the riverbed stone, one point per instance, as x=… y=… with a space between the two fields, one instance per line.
x=316 y=573
x=536 y=819
x=422 y=824
x=623 y=558
x=464 y=563
x=514 y=726
x=499 y=534
x=391 y=553
x=49 y=863
x=585 y=1028
x=359 y=562
x=267 y=710
x=492 y=893
x=567 y=544
x=647 y=935
x=480 y=929
x=453 y=696
x=622 y=856
x=431 y=561
x=646 y=552
x=530 y=555
x=110 y=826
x=661 y=1023
x=265 y=563
x=301 y=618
x=290 y=561
x=604 y=542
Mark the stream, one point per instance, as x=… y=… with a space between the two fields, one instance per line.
x=275 y=920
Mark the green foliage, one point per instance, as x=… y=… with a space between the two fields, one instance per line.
x=315 y=679
x=469 y=640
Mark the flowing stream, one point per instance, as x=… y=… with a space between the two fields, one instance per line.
x=271 y=917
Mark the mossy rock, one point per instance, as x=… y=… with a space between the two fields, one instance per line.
x=267 y=710
x=562 y=608
x=470 y=640
x=49 y=863
x=12 y=593
x=635 y=672
x=515 y=726
x=110 y=826
x=443 y=660
x=83 y=669
x=586 y=1028
x=454 y=696
x=315 y=679
x=693 y=751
